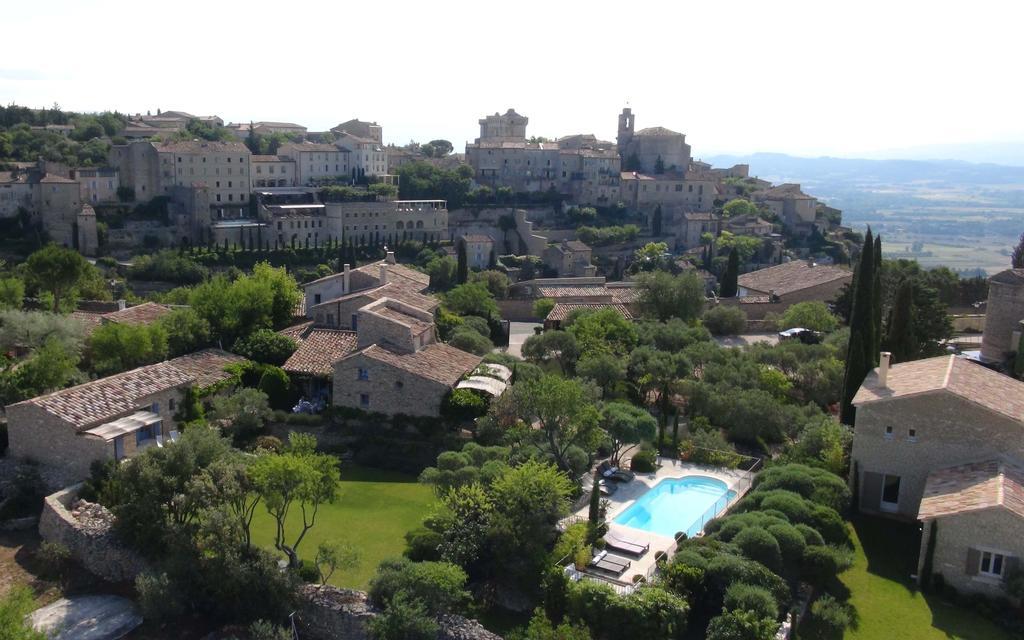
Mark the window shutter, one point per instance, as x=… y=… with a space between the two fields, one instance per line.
x=871 y=491
x=973 y=561
x=1011 y=565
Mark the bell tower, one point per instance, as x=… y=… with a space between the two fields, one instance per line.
x=626 y=122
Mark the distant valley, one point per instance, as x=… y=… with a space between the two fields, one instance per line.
x=964 y=215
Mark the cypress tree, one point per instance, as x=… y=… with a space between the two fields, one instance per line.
x=730 y=279
x=899 y=335
x=462 y=274
x=856 y=369
x=594 y=513
x=656 y=222
x=876 y=302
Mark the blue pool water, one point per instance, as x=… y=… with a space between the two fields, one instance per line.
x=677 y=504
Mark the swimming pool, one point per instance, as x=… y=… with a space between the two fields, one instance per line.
x=677 y=504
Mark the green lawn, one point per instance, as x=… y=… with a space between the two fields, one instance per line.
x=374 y=510
x=887 y=604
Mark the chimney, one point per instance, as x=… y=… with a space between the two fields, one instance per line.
x=384 y=273
x=390 y=257
x=883 y=368
x=346 y=279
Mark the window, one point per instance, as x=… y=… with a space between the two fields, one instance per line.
x=890 y=493
x=888 y=432
x=912 y=435
x=992 y=564
x=363 y=374
x=364 y=399
x=170 y=404
x=399 y=384
x=316 y=298
x=155 y=407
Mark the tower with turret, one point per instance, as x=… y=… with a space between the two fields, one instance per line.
x=626 y=122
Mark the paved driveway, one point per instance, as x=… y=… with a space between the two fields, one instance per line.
x=518 y=332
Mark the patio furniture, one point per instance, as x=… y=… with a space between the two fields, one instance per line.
x=625 y=544
x=607 y=471
x=607 y=488
x=609 y=563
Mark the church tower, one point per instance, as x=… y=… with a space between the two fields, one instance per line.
x=626 y=122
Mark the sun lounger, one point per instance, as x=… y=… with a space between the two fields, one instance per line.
x=625 y=544
x=609 y=563
x=608 y=472
x=607 y=488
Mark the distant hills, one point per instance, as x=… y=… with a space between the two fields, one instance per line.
x=832 y=172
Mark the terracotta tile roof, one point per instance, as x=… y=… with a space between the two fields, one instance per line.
x=206 y=366
x=586 y=291
x=106 y=398
x=319 y=349
x=204 y=146
x=436 y=361
x=971 y=487
x=396 y=271
x=257 y=158
x=561 y=311
x=400 y=291
x=89 y=319
x=145 y=313
x=307 y=146
x=959 y=376
x=55 y=179
x=625 y=295
x=656 y=131
x=792 y=276
x=297 y=332
x=404 y=319
x=784 y=191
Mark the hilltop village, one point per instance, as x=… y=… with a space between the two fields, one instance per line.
x=265 y=382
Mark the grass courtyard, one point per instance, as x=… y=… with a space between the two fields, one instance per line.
x=887 y=604
x=373 y=512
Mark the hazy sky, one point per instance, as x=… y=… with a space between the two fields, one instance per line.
x=815 y=77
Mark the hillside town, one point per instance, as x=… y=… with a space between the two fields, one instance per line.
x=265 y=382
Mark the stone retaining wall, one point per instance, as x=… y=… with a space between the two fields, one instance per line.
x=330 y=613
x=90 y=540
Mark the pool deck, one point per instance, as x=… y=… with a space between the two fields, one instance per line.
x=629 y=492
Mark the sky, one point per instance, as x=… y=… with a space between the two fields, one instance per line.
x=822 y=77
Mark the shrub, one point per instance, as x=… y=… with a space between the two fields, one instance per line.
x=542 y=307
x=811 y=535
x=829 y=617
x=725 y=320
x=478 y=324
x=470 y=340
x=830 y=525
x=159 y=600
x=278 y=386
x=741 y=625
x=818 y=485
x=422 y=544
x=791 y=542
x=264 y=630
x=463 y=404
x=54 y=557
x=268 y=443
x=711 y=448
x=757 y=544
x=793 y=505
x=438 y=586
x=266 y=346
x=405 y=618
x=750 y=598
x=26 y=495
x=644 y=461
x=822 y=564
x=724 y=569
x=14 y=606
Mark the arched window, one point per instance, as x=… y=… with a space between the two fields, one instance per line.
x=419 y=224
x=399 y=225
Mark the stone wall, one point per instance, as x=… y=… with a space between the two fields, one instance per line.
x=330 y=613
x=86 y=530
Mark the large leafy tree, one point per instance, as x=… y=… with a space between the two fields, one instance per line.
x=558 y=346
x=56 y=270
x=812 y=315
x=116 y=346
x=565 y=413
x=664 y=296
x=602 y=331
x=472 y=299
x=655 y=374
x=605 y=369
x=299 y=477
x=627 y=426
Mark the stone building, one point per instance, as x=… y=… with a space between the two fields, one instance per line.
x=110 y=418
x=51 y=200
x=389 y=221
x=311 y=367
x=361 y=129
x=479 y=250
x=221 y=167
x=793 y=207
x=692 y=226
x=570 y=258
x=1004 y=314
x=97 y=184
x=652 y=148
x=138 y=169
x=939 y=440
x=367 y=158
x=272 y=171
x=316 y=162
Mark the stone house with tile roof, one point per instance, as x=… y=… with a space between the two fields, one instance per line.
x=940 y=440
x=110 y=418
